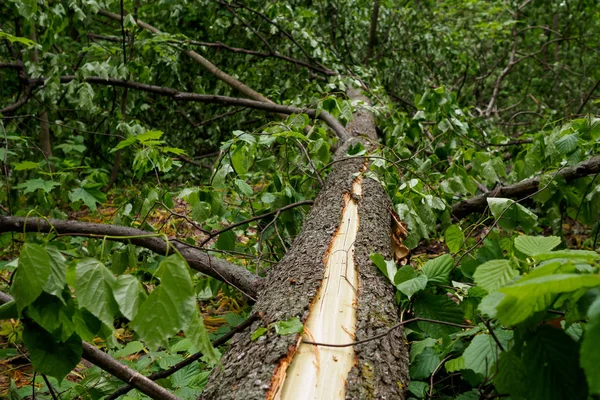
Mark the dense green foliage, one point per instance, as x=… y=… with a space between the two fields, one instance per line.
x=469 y=96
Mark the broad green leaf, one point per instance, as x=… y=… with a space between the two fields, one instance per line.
x=456 y=364
x=288 y=327
x=31 y=275
x=387 y=267
x=437 y=307
x=58 y=270
x=87 y=196
x=454 y=238
x=48 y=356
x=424 y=364
x=494 y=274
x=419 y=346
x=558 y=283
x=19 y=39
x=510 y=214
x=438 y=269
x=128 y=294
x=529 y=296
x=567 y=143
x=197 y=333
x=9 y=310
x=129 y=349
x=26 y=165
x=226 y=241
x=481 y=354
x=125 y=143
x=51 y=314
x=590 y=350
x=418 y=388
x=510 y=373
x=571 y=255
x=243 y=187
x=413 y=286
x=32 y=185
x=170 y=307
x=260 y=331
x=533 y=245
x=94 y=290
x=489 y=303
x=551 y=363
x=404 y=273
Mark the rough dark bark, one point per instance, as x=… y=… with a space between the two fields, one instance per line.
x=218 y=268
x=381 y=369
x=524 y=188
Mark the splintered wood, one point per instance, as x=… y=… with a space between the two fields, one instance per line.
x=319 y=372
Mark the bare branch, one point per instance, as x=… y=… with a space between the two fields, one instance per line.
x=238 y=277
x=194 y=357
x=210 y=67
x=523 y=188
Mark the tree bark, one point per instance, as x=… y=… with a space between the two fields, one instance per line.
x=255 y=369
x=524 y=188
x=240 y=278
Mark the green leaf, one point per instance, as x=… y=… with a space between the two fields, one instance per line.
x=417 y=347
x=424 y=364
x=413 y=286
x=226 y=241
x=243 y=187
x=48 y=356
x=124 y=143
x=94 y=290
x=260 y=331
x=481 y=354
x=590 y=351
x=454 y=238
x=129 y=349
x=88 y=196
x=510 y=214
x=533 y=245
x=489 y=303
x=27 y=165
x=197 y=333
x=9 y=310
x=571 y=255
x=32 y=185
x=18 y=39
x=510 y=373
x=529 y=296
x=128 y=294
x=387 y=267
x=50 y=313
x=31 y=275
x=438 y=269
x=418 y=388
x=58 y=270
x=456 y=364
x=494 y=274
x=567 y=143
x=551 y=362
x=288 y=327
x=437 y=307
x=170 y=307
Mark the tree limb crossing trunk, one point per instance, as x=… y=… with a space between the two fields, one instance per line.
x=256 y=369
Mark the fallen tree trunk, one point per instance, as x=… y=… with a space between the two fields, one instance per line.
x=328 y=282
x=524 y=188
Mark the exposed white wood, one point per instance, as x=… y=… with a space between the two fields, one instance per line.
x=317 y=372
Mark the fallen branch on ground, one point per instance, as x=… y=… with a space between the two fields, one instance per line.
x=523 y=188
x=238 y=277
